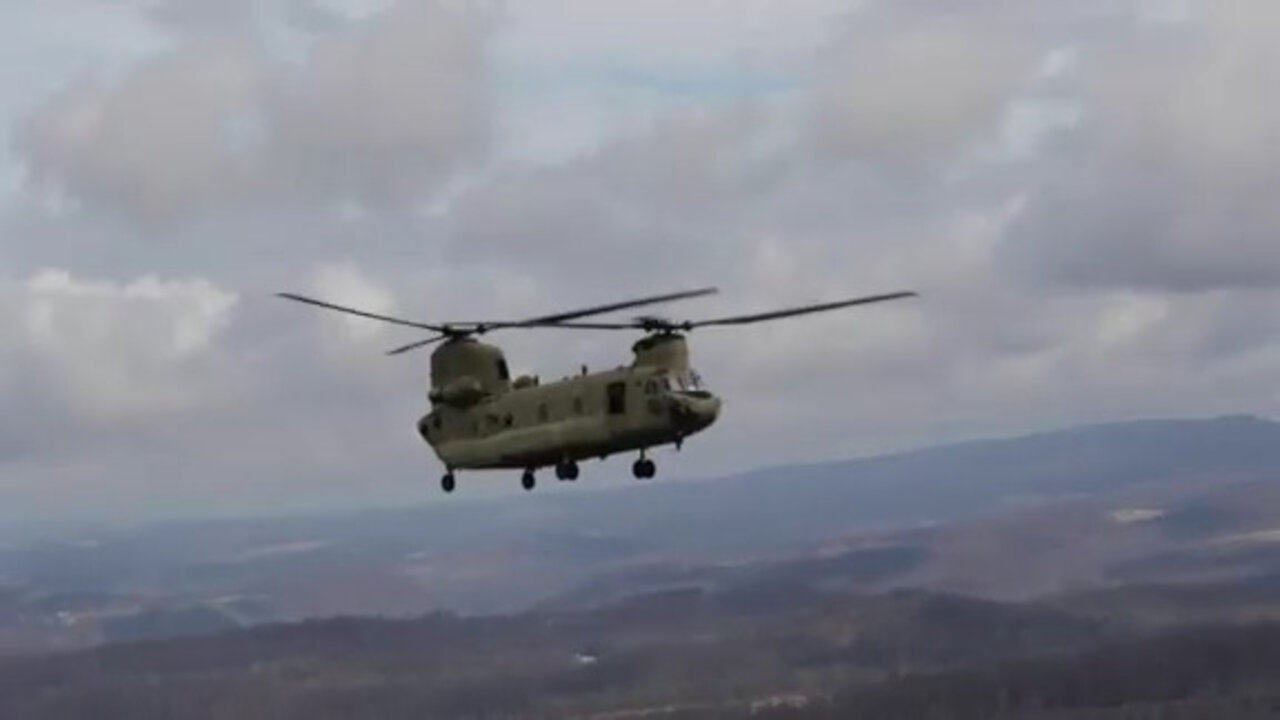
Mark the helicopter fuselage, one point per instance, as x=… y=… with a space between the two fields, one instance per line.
x=588 y=416
x=483 y=422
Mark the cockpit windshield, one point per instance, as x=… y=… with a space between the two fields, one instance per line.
x=695 y=381
x=690 y=382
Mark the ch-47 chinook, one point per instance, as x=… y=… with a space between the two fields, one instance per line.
x=482 y=419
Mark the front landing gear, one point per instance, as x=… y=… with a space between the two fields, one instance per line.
x=447 y=483
x=643 y=468
x=527 y=480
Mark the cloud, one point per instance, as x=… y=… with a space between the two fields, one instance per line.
x=236 y=17
x=111 y=353
x=991 y=158
x=166 y=394
x=155 y=146
x=902 y=88
x=381 y=112
x=1166 y=182
x=697 y=37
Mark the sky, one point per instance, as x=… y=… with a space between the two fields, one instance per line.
x=1080 y=192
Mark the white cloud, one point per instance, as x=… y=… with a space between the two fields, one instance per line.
x=345 y=284
x=115 y=352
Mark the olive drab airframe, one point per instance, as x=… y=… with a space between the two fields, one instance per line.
x=482 y=418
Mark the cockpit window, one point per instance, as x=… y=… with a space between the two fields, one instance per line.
x=683 y=383
x=503 y=372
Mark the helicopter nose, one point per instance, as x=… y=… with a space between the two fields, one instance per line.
x=695 y=411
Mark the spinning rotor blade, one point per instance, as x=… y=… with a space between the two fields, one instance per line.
x=416 y=345
x=629 y=325
x=361 y=313
x=790 y=312
x=559 y=318
x=465 y=328
x=655 y=323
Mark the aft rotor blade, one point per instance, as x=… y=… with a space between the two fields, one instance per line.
x=361 y=313
x=790 y=312
x=558 y=318
x=416 y=345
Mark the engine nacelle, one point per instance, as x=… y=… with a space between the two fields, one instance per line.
x=464 y=370
x=666 y=350
x=459 y=392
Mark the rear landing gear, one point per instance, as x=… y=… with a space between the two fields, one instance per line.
x=567 y=471
x=527 y=481
x=643 y=468
x=447 y=482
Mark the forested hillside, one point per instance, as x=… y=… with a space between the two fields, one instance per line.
x=1201 y=673
x=692 y=653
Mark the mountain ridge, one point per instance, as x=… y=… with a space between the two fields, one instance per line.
x=1131 y=500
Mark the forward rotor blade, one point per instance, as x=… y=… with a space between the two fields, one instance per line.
x=790 y=312
x=558 y=318
x=361 y=313
x=590 y=325
x=416 y=345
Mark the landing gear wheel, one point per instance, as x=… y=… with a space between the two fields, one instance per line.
x=527 y=481
x=447 y=482
x=643 y=468
x=567 y=471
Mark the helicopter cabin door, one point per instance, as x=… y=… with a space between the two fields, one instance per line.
x=616 y=400
x=615 y=408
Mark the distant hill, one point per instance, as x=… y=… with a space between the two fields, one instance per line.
x=1149 y=500
x=1158 y=534
x=937 y=485
x=1143 y=500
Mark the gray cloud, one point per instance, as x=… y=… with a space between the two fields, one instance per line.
x=239 y=17
x=911 y=157
x=901 y=89
x=1167 y=182
x=382 y=112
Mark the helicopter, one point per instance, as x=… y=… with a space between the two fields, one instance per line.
x=480 y=418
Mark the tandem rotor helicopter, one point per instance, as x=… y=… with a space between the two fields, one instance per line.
x=482 y=419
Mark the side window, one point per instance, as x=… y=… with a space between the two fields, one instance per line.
x=616 y=398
